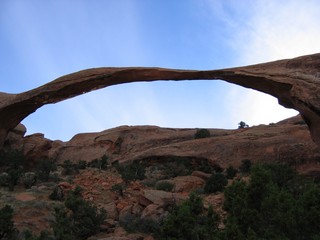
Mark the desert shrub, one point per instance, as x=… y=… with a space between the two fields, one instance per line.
x=132 y=171
x=190 y=221
x=119 y=188
x=12 y=159
x=57 y=194
x=12 y=162
x=164 y=186
x=79 y=219
x=69 y=168
x=215 y=183
x=82 y=164
x=44 y=168
x=149 y=182
x=245 y=166
x=4 y=179
x=242 y=125
x=44 y=235
x=217 y=168
x=99 y=163
x=29 y=179
x=202 y=133
x=14 y=175
x=134 y=223
x=276 y=204
x=7 y=229
x=231 y=172
x=174 y=169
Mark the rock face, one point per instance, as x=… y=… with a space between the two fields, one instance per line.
x=295 y=82
x=286 y=141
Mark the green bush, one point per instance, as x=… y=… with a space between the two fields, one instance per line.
x=82 y=164
x=242 y=125
x=44 y=235
x=7 y=229
x=189 y=221
x=165 y=186
x=44 y=168
x=79 y=219
x=231 y=172
x=132 y=171
x=14 y=175
x=4 y=179
x=202 y=133
x=245 y=166
x=12 y=159
x=99 y=163
x=134 y=223
x=12 y=162
x=118 y=188
x=215 y=183
x=276 y=204
x=29 y=179
x=69 y=168
x=57 y=194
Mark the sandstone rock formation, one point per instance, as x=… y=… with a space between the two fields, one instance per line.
x=287 y=141
x=295 y=82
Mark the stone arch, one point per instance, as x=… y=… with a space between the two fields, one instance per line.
x=295 y=82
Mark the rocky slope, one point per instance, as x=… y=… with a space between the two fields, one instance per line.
x=287 y=141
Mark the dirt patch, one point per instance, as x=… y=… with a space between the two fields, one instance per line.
x=25 y=197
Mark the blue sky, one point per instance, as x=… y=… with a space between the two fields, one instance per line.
x=43 y=40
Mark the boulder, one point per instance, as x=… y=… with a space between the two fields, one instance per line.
x=158 y=197
x=154 y=212
x=187 y=183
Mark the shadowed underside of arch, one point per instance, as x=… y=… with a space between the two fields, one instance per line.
x=295 y=82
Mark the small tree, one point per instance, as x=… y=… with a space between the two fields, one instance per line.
x=215 y=183
x=118 y=188
x=231 y=172
x=245 y=166
x=57 y=194
x=12 y=162
x=69 y=168
x=14 y=175
x=202 y=133
x=133 y=171
x=80 y=220
x=44 y=168
x=7 y=228
x=101 y=163
x=82 y=164
x=29 y=179
x=189 y=221
x=242 y=125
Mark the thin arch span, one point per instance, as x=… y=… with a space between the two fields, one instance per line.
x=294 y=82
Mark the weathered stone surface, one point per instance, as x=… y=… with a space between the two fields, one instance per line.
x=154 y=212
x=295 y=82
x=187 y=183
x=15 y=137
x=36 y=147
x=202 y=175
x=286 y=141
x=158 y=197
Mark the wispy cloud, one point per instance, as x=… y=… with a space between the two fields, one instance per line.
x=268 y=30
x=280 y=29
